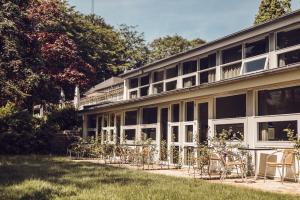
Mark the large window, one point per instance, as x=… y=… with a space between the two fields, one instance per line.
x=149 y=115
x=189 y=82
x=130 y=118
x=145 y=80
x=158 y=76
x=172 y=85
x=175 y=113
x=149 y=133
x=274 y=131
x=279 y=101
x=231 y=106
x=232 y=54
x=288 y=38
x=232 y=131
x=133 y=83
x=208 y=62
x=189 y=111
x=172 y=72
x=289 y=58
x=189 y=67
x=257 y=47
x=129 y=134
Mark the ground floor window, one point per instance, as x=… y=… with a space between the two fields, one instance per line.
x=188 y=155
x=232 y=131
x=149 y=133
x=174 y=134
x=189 y=133
x=129 y=134
x=175 y=153
x=274 y=131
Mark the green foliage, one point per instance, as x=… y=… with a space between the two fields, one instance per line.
x=169 y=45
x=271 y=9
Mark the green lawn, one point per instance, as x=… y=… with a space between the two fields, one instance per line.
x=41 y=177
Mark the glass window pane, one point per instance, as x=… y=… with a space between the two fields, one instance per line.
x=288 y=58
x=133 y=95
x=189 y=82
x=112 y=120
x=208 y=62
x=189 y=133
x=189 y=111
x=145 y=80
x=171 y=85
x=232 y=131
x=144 y=91
x=133 y=83
x=158 y=76
x=129 y=134
x=174 y=134
x=149 y=115
x=149 y=133
x=131 y=118
x=257 y=47
x=288 y=38
x=274 y=131
x=158 y=88
x=111 y=136
x=175 y=113
x=231 y=107
x=231 y=71
x=255 y=65
x=105 y=121
x=172 y=72
x=92 y=120
x=189 y=67
x=232 y=54
x=175 y=154
x=279 y=101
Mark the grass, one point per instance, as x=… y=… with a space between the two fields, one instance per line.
x=42 y=177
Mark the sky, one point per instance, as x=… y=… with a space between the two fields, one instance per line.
x=205 y=19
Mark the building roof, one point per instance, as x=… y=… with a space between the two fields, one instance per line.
x=206 y=45
x=105 y=84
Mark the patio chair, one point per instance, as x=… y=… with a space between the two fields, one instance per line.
x=287 y=161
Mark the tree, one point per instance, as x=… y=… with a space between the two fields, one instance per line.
x=271 y=9
x=169 y=45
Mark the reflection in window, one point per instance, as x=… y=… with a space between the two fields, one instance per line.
x=279 y=101
x=174 y=134
x=232 y=131
x=208 y=62
x=149 y=115
x=145 y=80
x=133 y=83
x=144 y=91
x=175 y=113
x=257 y=47
x=232 y=54
x=130 y=118
x=254 y=65
x=172 y=72
x=274 y=131
x=189 y=82
x=189 y=133
x=158 y=88
x=129 y=134
x=149 y=133
x=158 y=76
x=288 y=58
x=189 y=67
x=189 y=111
x=171 y=85
x=231 y=106
x=288 y=38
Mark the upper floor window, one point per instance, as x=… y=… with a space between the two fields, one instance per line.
x=172 y=85
x=158 y=76
x=279 y=101
x=133 y=94
x=149 y=115
x=172 y=72
x=175 y=112
x=133 y=83
x=231 y=106
x=145 y=80
x=189 y=82
x=288 y=38
x=289 y=58
x=255 y=65
x=257 y=48
x=189 y=67
x=130 y=118
x=208 y=62
x=232 y=54
x=144 y=91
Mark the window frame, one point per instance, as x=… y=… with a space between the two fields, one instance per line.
x=247 y=60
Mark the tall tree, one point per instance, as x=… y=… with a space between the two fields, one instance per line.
x=169 y=45
x=271 y=9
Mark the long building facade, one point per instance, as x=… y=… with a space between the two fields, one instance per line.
x=247 y=83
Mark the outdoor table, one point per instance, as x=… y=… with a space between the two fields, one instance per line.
x=255 y=157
